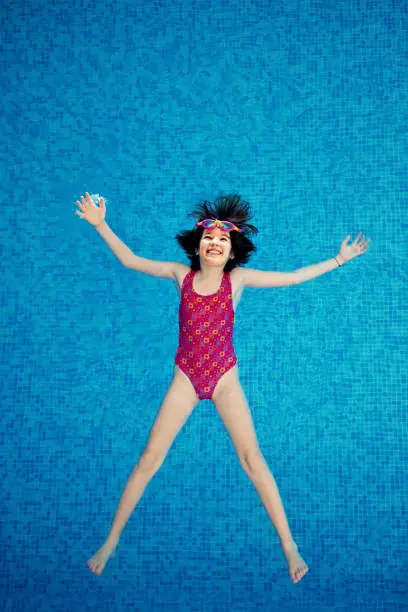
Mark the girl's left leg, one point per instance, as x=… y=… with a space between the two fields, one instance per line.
x=233 y=409
x=256 y=468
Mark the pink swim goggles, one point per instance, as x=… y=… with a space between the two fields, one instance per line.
x=225 y=226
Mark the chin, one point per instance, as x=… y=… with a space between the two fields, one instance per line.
x=212 y=262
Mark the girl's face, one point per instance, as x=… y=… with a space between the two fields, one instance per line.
x=217 y=241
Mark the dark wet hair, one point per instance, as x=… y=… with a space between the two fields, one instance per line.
x=225 y=208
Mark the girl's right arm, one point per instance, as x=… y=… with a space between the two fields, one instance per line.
x=95 y=215
x=163 y=269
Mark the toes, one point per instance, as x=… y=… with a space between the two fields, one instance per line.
x=299 y=573
x=93 y=567
x=302 y=571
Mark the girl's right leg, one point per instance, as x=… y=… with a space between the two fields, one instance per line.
x=177 y=406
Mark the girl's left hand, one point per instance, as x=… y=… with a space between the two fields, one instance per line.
x=354 y=249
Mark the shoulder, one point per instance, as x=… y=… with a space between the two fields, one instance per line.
x=237 y=275
x=265 y=278
x=180 y=271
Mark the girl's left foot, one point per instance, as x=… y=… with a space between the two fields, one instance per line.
x=297 y=566
x=99 y=560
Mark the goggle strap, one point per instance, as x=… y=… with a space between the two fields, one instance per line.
x=213 y=223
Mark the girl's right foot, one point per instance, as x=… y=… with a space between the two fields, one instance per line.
x=297 y=566
x=99 y=560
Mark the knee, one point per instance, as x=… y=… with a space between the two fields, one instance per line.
x=251 y=460
x=150 y=460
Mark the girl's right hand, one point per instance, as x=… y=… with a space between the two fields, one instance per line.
x=90 y=211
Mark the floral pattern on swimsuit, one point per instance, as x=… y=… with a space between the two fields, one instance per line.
x=206 y=325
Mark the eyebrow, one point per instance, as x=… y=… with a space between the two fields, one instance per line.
x=207 y=233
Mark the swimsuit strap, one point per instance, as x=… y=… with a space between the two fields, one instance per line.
x=188 y=281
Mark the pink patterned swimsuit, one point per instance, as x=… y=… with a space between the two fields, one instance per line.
x=206 y=324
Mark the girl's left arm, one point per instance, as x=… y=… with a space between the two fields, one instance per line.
x=261 y=278
x=346 y=252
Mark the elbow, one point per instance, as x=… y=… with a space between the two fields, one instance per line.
x=296 y=279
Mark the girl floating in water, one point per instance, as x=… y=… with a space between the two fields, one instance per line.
x=205 y=363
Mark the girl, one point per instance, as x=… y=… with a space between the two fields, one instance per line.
x=206 y=364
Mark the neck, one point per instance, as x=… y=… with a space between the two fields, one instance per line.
x=210 y=274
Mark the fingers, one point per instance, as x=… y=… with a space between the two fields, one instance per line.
x=84 y=203
x=364 y=242
x=90 y=200
x=364 y=239
x=356 y=240
x=364 y=245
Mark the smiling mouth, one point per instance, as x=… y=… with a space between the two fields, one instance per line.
x=214 y=253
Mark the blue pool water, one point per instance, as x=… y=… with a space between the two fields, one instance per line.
x=301 y=107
